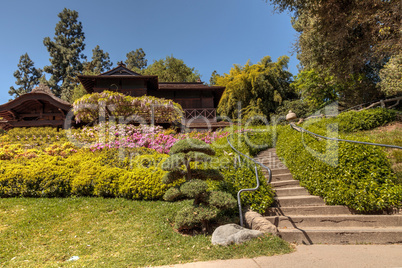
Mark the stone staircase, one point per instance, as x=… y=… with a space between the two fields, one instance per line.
x=305 y=219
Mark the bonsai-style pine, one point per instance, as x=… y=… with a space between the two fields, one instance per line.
x=184 y=157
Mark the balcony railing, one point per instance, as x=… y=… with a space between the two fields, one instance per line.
x=200 y=113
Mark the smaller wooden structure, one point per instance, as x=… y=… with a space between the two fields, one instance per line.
x=38 y=108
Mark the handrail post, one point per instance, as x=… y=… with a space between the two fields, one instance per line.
x=256 y=176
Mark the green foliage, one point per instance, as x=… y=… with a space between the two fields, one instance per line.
x=350 y=46
x=113 y=104
x=391 y=76
x=354 y=175
x=316 y=89
x=78 y=92
x=260 y=87
x=34 y=137
x=136 y=60
x=84 y=173
x=100 y=62
x=239 y=176
x=299 y=107
x=194 y=188
x=65 y=54
x=191 y=145
x=27 y=76
x=222 y=200
x=353 y=121
x=212 y=80
x=191 y=217
x=172 y=70
x=185 y=159
x=172 y=194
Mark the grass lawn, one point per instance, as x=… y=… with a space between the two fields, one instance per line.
x=107 y=233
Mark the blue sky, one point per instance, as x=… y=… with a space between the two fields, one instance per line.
x=207 y=34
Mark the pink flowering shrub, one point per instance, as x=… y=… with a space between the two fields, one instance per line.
x=108 y=135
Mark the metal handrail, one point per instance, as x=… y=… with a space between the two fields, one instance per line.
x=336 y=139
x=256 y=176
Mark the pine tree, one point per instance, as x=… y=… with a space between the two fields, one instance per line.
x=136 y=60
x=100 y=62
x=27 y=77
x=65 y=53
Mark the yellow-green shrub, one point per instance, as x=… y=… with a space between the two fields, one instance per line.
x=83 y=174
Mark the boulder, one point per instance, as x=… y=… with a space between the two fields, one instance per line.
x=232 y=233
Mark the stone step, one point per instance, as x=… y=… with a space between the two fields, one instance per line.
x=268 y=159
x=278 y=184
x=274 y=165
x=312 y=210
x=291 y=191
x=297 y=201
x=279 y=171
x=336 y=221
x=280 y=177
x=344 y=235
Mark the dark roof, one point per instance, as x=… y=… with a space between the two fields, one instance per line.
x=120 y=72
x=188 y=86
x=41 y=94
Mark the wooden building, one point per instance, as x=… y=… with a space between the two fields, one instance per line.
x=198 y=100
x=41 y=108
x=35 y=109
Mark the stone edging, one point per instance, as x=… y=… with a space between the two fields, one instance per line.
x=256 y=221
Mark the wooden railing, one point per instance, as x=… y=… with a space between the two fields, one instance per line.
x=200 y=113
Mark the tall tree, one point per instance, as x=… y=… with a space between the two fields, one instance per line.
x=212 y=80
x=260 y=87
x=27 y=77
x=391 y=76
x=172 y=70
x=136 y=60
x=315 y=89
x=349 y=39
x=65 y=53
x=100 y=62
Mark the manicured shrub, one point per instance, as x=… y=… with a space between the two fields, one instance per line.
x=191 y=217
x=354 y=175
x=184 y=156
x=84 y=173
x=353 y=121
x=241 y=175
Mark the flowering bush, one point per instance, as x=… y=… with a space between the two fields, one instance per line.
x=108 y=104
x=108 y=135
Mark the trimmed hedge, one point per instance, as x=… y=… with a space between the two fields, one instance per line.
x=84 y=174
x=357 y=176
x=239 y=176
x=353 y=121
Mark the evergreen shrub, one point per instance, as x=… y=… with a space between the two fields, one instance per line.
x=355 y=175
x=239 y=176
x=184 y=156
x=84 y=173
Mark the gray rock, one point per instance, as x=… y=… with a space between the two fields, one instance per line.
x=232 y=233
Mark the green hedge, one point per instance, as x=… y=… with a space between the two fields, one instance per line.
x=84 y=174
x=354 y=175
x=353 y=121
x=240 y=176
